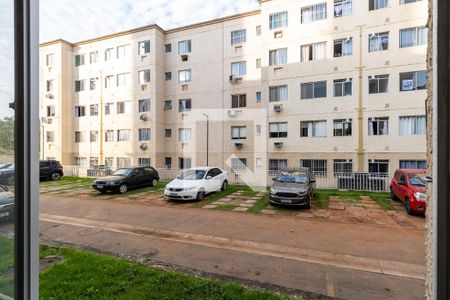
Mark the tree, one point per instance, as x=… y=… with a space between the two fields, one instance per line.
x=7 y=135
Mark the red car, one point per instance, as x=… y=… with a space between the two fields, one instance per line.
x=408 y=186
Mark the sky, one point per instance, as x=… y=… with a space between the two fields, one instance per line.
x=84 y=19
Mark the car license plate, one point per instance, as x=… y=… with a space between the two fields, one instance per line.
x=4 y=214
x=288 y=201
x=173 y=194
x=99 y=186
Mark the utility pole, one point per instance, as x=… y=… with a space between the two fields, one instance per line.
x=207 y=139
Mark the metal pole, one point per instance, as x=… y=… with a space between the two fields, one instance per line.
x=207 y=139
x=360 y=151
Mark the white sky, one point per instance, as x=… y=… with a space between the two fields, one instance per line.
x=83 y=19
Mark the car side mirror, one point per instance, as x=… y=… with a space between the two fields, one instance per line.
x=208 y=177
x=274 y=178
x=312 y=180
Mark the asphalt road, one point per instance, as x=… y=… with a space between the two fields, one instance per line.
x=350 y=261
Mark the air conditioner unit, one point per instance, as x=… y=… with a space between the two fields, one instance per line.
x=234 y=78
x=49 y=121
x=49 y=96
x=184 y=57
x=278 y=144
x=278 y=108
x=143 y=146
x=143 y=87
x=231 y=112
x=44 y=120
x=238 y=144
x=143 y=117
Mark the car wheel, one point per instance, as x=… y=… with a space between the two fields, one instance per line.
x=154 y=182
x=309 y=203
x=224 y=186
x=200 y=195
x=56 y=176
x=123 y=188
x=393 y=197
x=102 y=192
x=408 y=207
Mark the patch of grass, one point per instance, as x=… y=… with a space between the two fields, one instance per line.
x=383 y=200
x=321 y=200
x=6 y=266
x=260 y=205
x=85 y=275
x=225 y=207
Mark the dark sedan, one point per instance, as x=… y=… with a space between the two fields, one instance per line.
x=127 y=178
x=7 y=175
x=293 y=187
x=6 y=205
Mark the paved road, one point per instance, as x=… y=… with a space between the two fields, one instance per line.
x=340 y=260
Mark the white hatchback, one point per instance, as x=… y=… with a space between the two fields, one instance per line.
x=195 y=183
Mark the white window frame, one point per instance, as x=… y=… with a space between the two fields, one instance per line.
x=185 y=75
x=238 y=36
x=278 y=20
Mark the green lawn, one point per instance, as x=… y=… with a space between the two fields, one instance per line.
x=6 y=265
x=321 y=199
x=247 y=191
x=84 y=275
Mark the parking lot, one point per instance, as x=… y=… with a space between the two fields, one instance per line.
x=328 y=205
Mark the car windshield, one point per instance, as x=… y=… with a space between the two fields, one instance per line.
x=7 y=166
x=292 y=177
x=122 y=172
x=414 y=179
x=192 y=175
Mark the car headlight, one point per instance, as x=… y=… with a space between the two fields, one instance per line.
x=302 y=192
x=420 y=196
x=272 y=190
x=189 y=188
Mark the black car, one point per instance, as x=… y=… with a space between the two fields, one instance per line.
x=126 y=178
x=293 y=187
x=6 y=205
x=7 y=175
x=50 y=170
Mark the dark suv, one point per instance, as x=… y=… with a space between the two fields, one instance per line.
x=50 y=170
x=293 y=187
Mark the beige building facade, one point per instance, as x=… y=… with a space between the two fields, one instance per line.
x=335 y=85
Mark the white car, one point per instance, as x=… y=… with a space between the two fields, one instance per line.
x=195 y=183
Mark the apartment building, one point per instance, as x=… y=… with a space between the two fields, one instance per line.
x=334 y=85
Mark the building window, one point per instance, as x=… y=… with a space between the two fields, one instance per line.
x=278 y=130
x=184 y=105
x=258 y=63
x=51 y=112
x=50 y=136
x=168 y=76
x=377 y=4
x=278 y=93
x=412 y=81
x=93 y=57
x=342 y=87
x=413 y=164
x=412 y=125
x=184 y=135
x=238 y=36
x=276 y=165
x=93 y=162
x=93 y=110
x=343 y=47
x=80 y=111
x=168 y=48
x=238 y=132
x=109 y=161
x=239 y=68
x=109 y=108
x=79 y=137
x=313 y=13
x=168 y=162
x=278 y=20
x=122 y=51
x=109 y=54
x=79 y=60
x=408 y=1
x=342 y=127
x=144 y=47
x=123 y=79
x=184 y=163
x=93 y=83
x=79 y=85
x=378 y=84
x=143 y=161
x=379 y=166
x=238 y=165
x=379 y=126
x=184 y=76
x=168 y=105
x=49 y=59
x=93 y=136
x=258 y=30
x=315 y=51
x=80 y=162
x=167 y=132
x=123 y=135
x=312 y=90
x=144 y=134
x=50 y=85
x=123 y=107
x=278 y=57
x=258 y=97
x=317 y=166
x=343 y=8
x=144 y=76
x=184 y=47
x=144 y=105
x=239 y=100
x=109 y=136
x=413 y=37
x=109 y=81
x=123 y=162
x=378 y=42
x=313 y=128
x=342 y=166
